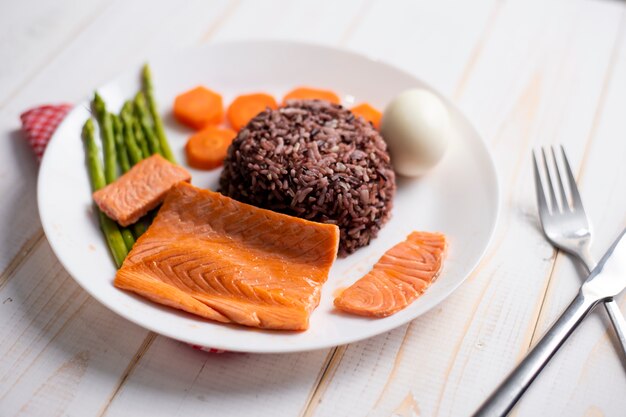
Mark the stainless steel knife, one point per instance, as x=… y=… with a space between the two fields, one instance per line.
x=606 y=281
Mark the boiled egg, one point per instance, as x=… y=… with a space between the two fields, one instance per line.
x=416 y=127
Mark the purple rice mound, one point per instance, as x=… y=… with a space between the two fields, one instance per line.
x=314 y=160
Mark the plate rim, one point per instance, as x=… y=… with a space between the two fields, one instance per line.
x=490 y=167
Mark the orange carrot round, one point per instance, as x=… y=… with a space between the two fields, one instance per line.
x=369 y=113
x=199 y=108
x=245 y=107
x=207 y=148
x=306 y=93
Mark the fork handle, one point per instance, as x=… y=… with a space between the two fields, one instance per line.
x=617 y=319
x=611 y=307
x=509 y=392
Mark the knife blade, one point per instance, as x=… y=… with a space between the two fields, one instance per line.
x=608 y=279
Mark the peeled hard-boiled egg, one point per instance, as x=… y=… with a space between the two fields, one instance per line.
x=416 y=127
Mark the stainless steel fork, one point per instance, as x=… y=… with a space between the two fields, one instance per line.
x=565 y=223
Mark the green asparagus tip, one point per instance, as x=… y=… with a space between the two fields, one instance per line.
x=99 y=106
x=128 y=108
x=88 y=128
x=97 y=98
x=146 y=77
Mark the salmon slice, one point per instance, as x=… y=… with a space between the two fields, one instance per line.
x=401 y=275
x=210 y=255
x=139 y=190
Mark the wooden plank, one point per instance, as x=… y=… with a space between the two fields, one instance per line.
x=532 y=83
x=32 y=32
x=19 y=222
x=61 y=351
x=109 y=46
x=173 y=379
x=316 y=21
x=590 y=367
x=423 y=38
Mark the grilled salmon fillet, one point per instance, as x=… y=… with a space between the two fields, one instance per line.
x=210 y=255
x=139 y=190
x=401 y=275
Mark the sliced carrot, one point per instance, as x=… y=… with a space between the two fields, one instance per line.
x=245 y=107
x=369 y=113
x=199 y=108
x=207 y=148
x=306 y=93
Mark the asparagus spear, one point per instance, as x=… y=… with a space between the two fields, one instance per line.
x=122 y=154
x=128 y=237
x=106 y=134
x=141 y=111
x=134 y=152
x=138 y=228
x=141 y=138
x=148 y=89
x=96 y=171
x=111 y=231
x=110 y=160
x=126 y=115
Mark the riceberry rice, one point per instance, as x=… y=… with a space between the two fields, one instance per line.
x=314 y=160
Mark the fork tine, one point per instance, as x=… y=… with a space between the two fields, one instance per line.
x=577 y=203
x=561 y=185
x=551 y=194
x=542 y=205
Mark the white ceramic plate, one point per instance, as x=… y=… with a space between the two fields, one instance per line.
x=459 y=197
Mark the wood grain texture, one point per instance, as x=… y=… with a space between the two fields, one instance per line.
x=33 y=32
x=62 y=352
x=233 y=384
x=525 y=73
x=322 y=22
x=423 y=37
x=523 y=90
x=588 y=370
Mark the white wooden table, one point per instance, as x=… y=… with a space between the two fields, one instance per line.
x=526 y=73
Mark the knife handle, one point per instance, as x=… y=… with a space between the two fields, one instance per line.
x=509 y=392
x=615 y=314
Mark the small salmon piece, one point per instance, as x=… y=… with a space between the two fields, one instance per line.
x=399 y=277
x=139 y=190
x=227 y=261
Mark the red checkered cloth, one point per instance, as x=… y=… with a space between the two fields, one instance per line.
x=39 y=124
x=207 y=349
